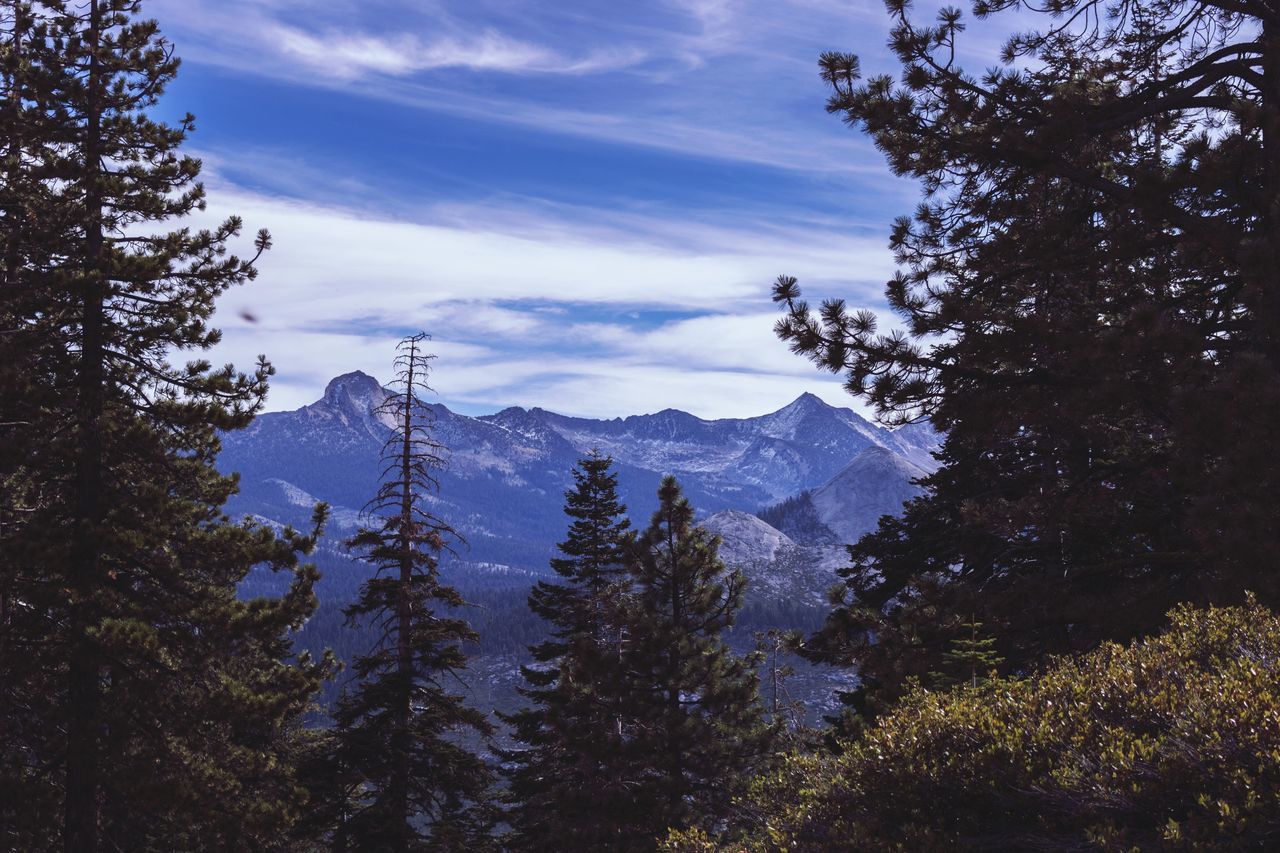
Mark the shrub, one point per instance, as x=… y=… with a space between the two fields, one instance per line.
x=1169 y=743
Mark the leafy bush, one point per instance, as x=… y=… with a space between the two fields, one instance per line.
x=1169 y=743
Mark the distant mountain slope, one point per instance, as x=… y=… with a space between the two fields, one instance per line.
x=507 y=472
x=797 y=447
x=916 y=443
x=877 y=482
x=745 y=538
x=798 y=519
x=777 y=569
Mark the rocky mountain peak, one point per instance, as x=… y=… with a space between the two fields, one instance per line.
x=356 y=390
x=805 y=406
x=352 y=400
x=808 y=400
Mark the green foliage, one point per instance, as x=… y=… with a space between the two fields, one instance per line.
x=569 y=784
x=1169 y=743
x=971 y=658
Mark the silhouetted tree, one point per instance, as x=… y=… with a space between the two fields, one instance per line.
x=1090 y=305
x=143 y=703
x=699 y=727
x=405 y=775
x=568 y=783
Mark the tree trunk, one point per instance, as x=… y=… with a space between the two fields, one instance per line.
x=404 y=650
x=1268 y=284
x=80 y=831
x=674 y=747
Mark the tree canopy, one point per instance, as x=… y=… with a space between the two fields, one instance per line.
x=1088 y=297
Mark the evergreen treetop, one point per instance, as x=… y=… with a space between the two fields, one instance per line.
x=568 y=782
x=405 y=777
x=155 y=685
x=699 y=724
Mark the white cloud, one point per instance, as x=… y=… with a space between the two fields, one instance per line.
x=741 y=85
x=346 y=56
x=341 y=288
x=741 y=342
x=340 y=264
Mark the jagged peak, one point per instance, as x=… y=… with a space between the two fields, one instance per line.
x=806 y=401
x=356 y=382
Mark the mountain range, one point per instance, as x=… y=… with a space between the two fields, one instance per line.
x=783 y=491
x=833 y=472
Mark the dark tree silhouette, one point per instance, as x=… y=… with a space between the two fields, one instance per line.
x=694 y=706
x=568 y=782
x=135 y=685
x=405 y=778
x=1090 y=304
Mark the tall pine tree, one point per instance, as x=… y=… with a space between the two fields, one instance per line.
x=412 y=782
x=697 y=723
x=144 y=704
x=568 y=783
x=1090 y=301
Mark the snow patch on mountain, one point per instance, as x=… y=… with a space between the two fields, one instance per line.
x=293 y=494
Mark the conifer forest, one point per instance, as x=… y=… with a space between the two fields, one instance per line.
x=1032 y=602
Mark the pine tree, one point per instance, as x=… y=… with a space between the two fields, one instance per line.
x=163 y=710
x=699 y=727
x=567 y=784
x=414 y=784
x=971 y=658
x=29 y=689
x=1090 y=301
x=782 y=706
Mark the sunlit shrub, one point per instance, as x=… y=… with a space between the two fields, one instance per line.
x=1169 y=743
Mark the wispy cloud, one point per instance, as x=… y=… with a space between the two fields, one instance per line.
x=346 y=56
x=549 y=320
x=722 y=79
x=341 y=257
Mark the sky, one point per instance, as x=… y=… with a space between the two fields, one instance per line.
x=584 y=203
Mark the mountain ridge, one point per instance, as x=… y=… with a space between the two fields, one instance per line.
x=506 y=472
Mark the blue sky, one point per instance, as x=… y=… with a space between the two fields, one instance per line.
x=584 y=203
